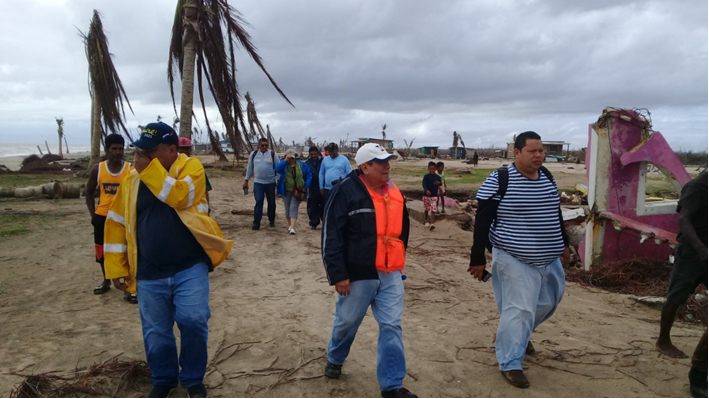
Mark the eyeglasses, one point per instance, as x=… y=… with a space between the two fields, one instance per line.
x=263 y=145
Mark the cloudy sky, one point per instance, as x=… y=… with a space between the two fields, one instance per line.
x=486 y=69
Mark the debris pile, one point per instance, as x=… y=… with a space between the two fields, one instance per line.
x=641 y=277
x=112 y=378
x=35 y=164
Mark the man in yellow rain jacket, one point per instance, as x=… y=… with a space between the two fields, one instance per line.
x=160 y=241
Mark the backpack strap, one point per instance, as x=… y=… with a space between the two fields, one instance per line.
x=548 y=174
x=503 y=178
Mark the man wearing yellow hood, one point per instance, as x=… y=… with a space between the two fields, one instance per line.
x=160 y=241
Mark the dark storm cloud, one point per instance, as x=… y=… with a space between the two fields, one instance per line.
x=484 y=69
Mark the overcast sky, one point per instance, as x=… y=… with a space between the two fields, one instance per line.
x=486 y=69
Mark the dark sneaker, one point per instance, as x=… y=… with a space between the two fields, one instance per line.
x=255 y=226
x=103 y=288
x=697 y=383
x=333 y=370
x=399 y=393
x=197 y=391
x=530 y=349
x=313 y=227
x=160 y=391
x=516 y=378
x=271 y=224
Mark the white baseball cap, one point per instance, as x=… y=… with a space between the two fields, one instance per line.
x=372 y=152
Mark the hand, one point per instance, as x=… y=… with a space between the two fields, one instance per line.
x=566 y=257
x=119 y=284
x=477 y=271
x=322 y=191
x=437 y=183
x=246 y=184
x=343 y=287
x=428 y=193
x=141 y=161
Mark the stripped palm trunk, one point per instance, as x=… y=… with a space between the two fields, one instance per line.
x=189 y=41
x=95 y=129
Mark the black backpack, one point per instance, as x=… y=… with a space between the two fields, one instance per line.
x=253 y=155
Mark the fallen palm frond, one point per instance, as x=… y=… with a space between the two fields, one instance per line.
x=110 y=378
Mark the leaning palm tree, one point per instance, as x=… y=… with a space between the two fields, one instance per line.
x=60 y=132
x=205 y=33
x=107 y=93
x=384 y=131
x=462 y=143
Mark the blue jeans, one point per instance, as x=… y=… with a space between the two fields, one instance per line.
x=526 y=296
x=269 y=191
x=386 y=296
x=182 y=298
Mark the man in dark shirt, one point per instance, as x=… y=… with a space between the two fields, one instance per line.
x=160 y=239
x=431 y=181
x=316 y=201
x=689 y=271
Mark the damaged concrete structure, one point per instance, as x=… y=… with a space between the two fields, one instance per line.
x=621 y=224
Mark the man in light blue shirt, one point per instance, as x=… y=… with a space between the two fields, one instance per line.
x=333 y=168
x=261 y=166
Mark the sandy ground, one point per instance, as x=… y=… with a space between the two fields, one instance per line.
x=272 y=311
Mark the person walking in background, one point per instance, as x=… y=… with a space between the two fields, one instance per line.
x=431 y=183
x=690 y=270
x=161 y=242
x=185 y=147
x=519 y=206
x=262 y=165
x=332 y=169
x=364 y=237
x=440 y=166
x=293 y=179
x=106 y=176
x=315 y=198
x=475 y=158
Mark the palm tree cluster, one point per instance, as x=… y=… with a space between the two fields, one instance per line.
x=205 y=34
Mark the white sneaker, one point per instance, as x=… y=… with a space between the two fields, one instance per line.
x=292 y=230
x=427 y=225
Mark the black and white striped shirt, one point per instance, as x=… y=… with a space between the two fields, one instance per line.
x=527 y=224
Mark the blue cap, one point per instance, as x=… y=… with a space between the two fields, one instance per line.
x=154 y=134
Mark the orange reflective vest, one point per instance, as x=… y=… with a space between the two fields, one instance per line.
x=389 y=210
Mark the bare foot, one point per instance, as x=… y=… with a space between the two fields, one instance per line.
x=666 y=348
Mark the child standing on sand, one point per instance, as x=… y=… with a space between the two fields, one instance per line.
x=442 y=189
x=431 y=182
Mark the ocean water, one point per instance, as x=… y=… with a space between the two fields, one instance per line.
x=14 y=149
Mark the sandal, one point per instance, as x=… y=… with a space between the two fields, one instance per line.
x=131 y=298
x=102 y=289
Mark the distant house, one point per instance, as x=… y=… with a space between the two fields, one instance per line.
x=550 y=148
x=387 y=144
x=226 y=146
x=429 y=151
x=458 y=152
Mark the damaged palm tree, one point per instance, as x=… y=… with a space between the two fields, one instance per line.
x=107 y=93
x=198 y=39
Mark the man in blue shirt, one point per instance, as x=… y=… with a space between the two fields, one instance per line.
x=333 y=168
x=262 y=163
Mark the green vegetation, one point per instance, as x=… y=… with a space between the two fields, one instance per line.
x=18 y=224
x=692 y=157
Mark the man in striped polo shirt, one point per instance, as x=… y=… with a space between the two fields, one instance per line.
x=521 y=211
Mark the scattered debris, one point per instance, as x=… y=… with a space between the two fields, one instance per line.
x=112 y=378
x=643 y=278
